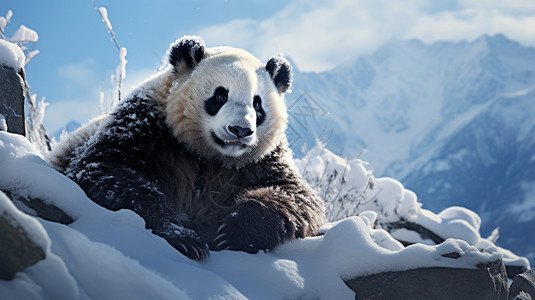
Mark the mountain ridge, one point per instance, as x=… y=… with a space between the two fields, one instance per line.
x=450 y=120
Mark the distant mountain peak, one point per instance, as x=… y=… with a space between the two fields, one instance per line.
x=452 y=120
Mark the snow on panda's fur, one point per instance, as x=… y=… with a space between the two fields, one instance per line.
x=199 y=151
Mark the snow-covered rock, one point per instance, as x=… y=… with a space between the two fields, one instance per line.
x=11 y=55
x=350 y=189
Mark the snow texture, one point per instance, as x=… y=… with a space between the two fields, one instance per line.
x=350 y=189
x=11 y=55
x=192 y=40
x=105 y=254
x=48 y=278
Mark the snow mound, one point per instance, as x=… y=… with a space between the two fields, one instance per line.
x=350 y=189
x=11 y=55
x=105 y=254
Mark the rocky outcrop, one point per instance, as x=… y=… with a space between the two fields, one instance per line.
x=426 y=234
x=39 y=208
x=17 y=249
x=12 y=99
x=487 y=281
x=523 y=286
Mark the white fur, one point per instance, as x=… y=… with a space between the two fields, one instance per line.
x=244 y=76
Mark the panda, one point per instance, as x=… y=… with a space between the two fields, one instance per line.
x=199 y=151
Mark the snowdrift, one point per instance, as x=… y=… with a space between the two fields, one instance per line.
x=100 y=254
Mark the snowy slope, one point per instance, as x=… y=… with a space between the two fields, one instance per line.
x=105 y=254
x=409 y=108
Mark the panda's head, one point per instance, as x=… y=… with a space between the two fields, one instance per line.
x=224 y=103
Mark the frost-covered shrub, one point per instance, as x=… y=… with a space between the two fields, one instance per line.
x=349 y=188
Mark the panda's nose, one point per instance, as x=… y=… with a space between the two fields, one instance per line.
x=240 y=131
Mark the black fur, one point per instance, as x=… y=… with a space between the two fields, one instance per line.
x=260 y=113
x=189 y=50
x=280 y=70
x=135 y=162
x=218 y=99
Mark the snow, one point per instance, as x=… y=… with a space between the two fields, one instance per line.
x=3 y=124
x=357 y=192
x=105 y=254
x=120 y=71
x=345 y=181
x=31 y=227
x=121 y=68
x=4 y=21
x=11 y=55
x=104 y=14
x=48 y=277
x=447 y=228
x=24 y=35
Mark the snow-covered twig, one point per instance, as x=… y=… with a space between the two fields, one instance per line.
x=100 y=99
x=120 y=71
x=104 y=14
x=35 y=129
x=3 y=23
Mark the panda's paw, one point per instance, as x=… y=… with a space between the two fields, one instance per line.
x=250 y=228
x=192 y=247
x=185 y=240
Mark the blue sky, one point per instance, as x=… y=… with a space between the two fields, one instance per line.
x=77 y=54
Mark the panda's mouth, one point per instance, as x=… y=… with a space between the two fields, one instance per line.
x=225 y=143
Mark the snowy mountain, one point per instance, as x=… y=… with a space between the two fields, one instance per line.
x=451 y=121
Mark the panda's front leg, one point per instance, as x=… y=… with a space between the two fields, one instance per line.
x=263 y=219
x=119 y=186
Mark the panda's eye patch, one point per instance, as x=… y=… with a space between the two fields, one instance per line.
x=213 y=104
x=257 y=102
x=221 y=94
x=260 y=113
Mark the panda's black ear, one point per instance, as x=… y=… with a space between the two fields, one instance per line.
x=187 y=51
x=280 y=70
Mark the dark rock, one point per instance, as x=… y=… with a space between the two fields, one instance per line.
x=452 y=255
x=421 y=230
x=522 y=296
x=17 y=250
x=488 y=281
x=523 y=286
x=39 y=208
x=12 y=99
x=425 y=233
